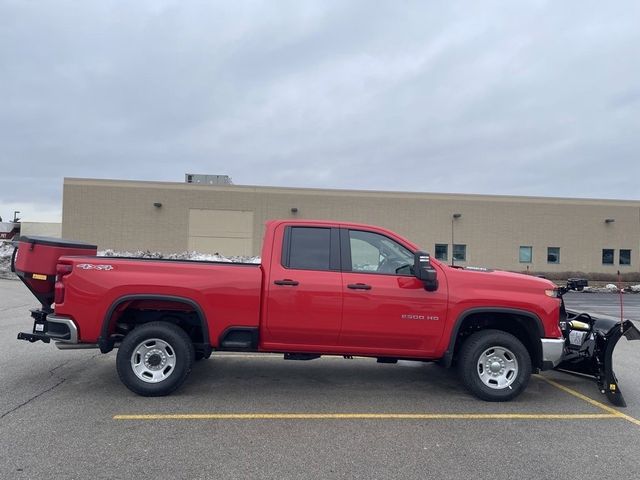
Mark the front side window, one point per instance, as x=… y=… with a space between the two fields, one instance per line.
x=375 y=253
x=553 y=255
x=526 y=254
x=607 y=256
x=460 y=253
x=310 y=248
x=442 y=251
x=625 y=257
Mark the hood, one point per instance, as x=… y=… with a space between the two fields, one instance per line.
x=481 y=277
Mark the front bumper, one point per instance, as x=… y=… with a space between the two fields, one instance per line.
x=552 y=352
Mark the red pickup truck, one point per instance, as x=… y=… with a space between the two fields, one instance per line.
x=323 y=288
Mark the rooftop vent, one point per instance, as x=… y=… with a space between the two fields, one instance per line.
x=207 y=179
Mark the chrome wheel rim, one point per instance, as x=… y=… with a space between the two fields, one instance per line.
x=497 y=367
x=153 y=360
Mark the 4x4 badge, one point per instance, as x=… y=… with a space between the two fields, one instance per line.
x=91 y=266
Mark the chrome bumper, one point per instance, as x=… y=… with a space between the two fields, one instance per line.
x=73 y=330
x=552 y=352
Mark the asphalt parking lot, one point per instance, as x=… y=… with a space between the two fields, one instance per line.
x=65 y=414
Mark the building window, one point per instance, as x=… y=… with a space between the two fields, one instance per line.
x=460 y=253
x=553 y=255
x=625 y=257
x=442 y=251
x=526 y=254
x=607 y=256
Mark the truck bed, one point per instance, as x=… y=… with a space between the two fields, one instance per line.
x=228 y=294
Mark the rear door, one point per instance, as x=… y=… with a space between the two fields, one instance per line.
x=304 y=288
x=386 y=308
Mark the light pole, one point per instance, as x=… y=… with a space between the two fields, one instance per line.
x=454 y=217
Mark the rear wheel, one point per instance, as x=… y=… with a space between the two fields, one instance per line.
x=494 y=365
x=155 y=359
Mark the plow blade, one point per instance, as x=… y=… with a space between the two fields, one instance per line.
x=590 y=342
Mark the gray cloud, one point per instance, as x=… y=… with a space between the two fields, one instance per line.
x=533 y=98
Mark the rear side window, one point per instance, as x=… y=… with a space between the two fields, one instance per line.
x=309 y=248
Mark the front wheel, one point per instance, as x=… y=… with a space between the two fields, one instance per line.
x=155 y=359
x=494 y=365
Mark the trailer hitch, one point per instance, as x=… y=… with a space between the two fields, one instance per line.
x=33 y=337
x=39 y=332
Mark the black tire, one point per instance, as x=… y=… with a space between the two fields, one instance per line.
x=169 y=357
x=505 y=370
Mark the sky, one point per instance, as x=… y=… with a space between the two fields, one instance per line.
x=531 y=97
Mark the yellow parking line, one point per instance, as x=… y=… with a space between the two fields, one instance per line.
x=593 y=402
x=369 y=416
x=612 y=413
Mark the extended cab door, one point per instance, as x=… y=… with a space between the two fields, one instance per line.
x=304 y=288
x=386 y=307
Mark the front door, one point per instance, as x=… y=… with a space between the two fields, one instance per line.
x=386 y=308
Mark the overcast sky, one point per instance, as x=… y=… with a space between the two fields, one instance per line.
x=498 y=97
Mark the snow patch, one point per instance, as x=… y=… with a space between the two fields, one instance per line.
x=195 y=256
x=6 y=250
x=609 y=288
x=612 y=288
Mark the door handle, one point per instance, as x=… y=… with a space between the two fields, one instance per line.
x=286 y=281
x=359 y=286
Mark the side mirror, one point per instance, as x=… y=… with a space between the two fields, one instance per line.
x=424 y=271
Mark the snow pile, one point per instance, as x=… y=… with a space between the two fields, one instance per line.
x=6 y=250
x=609 y=288
x=196 y=256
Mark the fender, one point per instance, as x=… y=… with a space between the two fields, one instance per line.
x=106 y=345
x=447 y=358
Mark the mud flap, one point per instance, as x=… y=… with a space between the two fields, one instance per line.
x=589 y=345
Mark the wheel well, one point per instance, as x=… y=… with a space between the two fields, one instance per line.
x=186 y=320
x=523 y=327
x=130 y=312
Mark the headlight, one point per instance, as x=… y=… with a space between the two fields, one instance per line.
x=553 y=292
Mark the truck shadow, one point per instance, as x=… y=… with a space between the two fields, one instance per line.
x=255 y=383
x=274 y=380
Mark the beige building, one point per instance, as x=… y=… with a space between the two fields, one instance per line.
x=46 y=229
x=514 y=233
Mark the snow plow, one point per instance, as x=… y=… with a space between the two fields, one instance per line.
x=589 y=344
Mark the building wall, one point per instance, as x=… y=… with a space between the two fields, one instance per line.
x=43 y=229
x=121 y=215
